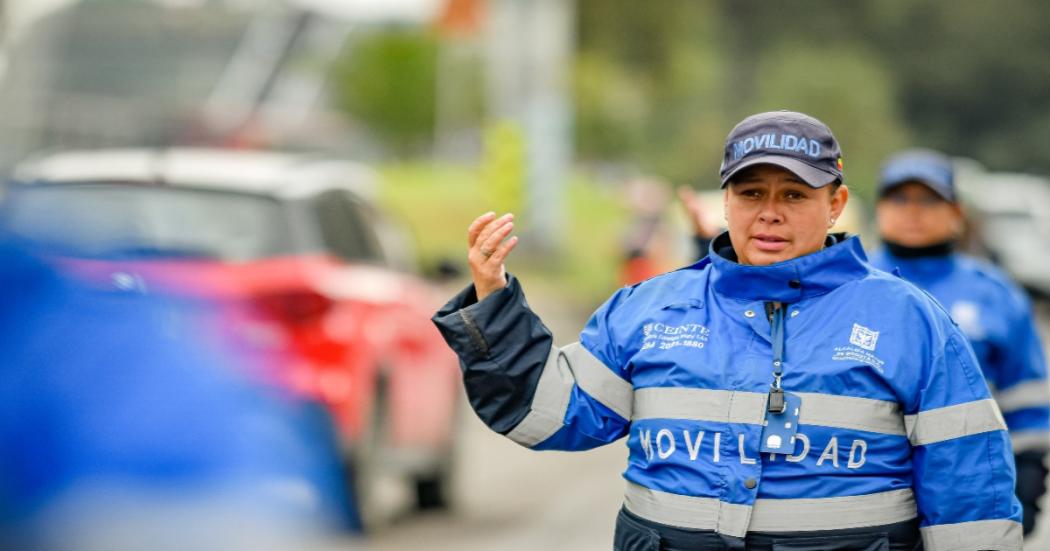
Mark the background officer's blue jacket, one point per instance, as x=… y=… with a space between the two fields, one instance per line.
x=997 y=318
x=897 y=422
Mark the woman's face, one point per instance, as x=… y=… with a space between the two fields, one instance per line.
x=913 y=215
x=774 y=216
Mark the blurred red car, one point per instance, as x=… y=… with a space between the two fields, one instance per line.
x=312 y=281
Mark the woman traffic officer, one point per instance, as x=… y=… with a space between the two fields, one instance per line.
x=779 y=394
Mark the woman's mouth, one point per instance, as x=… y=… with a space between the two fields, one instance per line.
x=769 y=243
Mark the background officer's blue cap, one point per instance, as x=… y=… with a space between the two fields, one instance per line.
x=794 y=141
x=919 y=165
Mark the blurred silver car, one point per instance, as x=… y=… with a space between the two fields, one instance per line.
x=1011 y=212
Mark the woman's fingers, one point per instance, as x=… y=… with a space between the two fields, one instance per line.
x=489 y=246
x=477 y=225
x=501 y=252
x=492 y=242
x=491 y=227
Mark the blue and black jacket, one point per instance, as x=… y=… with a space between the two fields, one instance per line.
x=997 y=318
x=897 y=424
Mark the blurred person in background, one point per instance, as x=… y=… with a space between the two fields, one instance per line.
x=648 y=241
x=780 y=394
x=116 y=433
x=703 y=228
x=920 y=221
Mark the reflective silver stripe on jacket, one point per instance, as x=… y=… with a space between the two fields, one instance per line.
x=699 y=404
x=572 y=364
x=848 y=412
x=1002 y=535
x=1030 y=440
x=547 y=412
x=826 y=410
x=771 y=515
x=696 y=513
x=947 y=423
x=833 y=513
x=1029 y=394
x=598 y=380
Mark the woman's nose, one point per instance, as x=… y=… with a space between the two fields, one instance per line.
x=769 y=213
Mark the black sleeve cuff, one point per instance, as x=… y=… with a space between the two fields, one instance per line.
x=502 y=346
x=463 y=319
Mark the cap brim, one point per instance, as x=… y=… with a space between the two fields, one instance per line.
x=813 y=176
x=937 y=187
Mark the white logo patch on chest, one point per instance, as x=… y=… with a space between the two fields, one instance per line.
x=864 y=337
x=666 y=337
x=863 y=341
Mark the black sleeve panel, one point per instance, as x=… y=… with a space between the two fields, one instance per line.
x=502 y=346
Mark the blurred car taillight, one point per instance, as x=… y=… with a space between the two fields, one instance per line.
x=296 y=307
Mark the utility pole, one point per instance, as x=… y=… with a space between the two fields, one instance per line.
x=5 y=38
x=529 y=46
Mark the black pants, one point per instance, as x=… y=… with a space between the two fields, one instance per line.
x=1031 y=485
x=637 y=534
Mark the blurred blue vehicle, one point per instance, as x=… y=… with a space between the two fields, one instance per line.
x=116 y=432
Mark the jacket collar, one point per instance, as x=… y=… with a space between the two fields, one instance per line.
x=840 y=262
x=923 y=268
x=943 y=248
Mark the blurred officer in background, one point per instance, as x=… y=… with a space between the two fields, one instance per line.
x=920 y=219
x=779 y=394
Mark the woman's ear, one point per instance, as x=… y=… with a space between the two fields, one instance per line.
x=725 y=204
x=839 y=198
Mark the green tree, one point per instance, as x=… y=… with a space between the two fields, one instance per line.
x=387 y=81
x=848 y=89
x=611 y=108
x=972 y=77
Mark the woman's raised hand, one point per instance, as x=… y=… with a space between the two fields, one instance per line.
x=488 y=247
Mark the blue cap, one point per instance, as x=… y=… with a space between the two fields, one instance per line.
x=919 y=165
x=794 y=141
